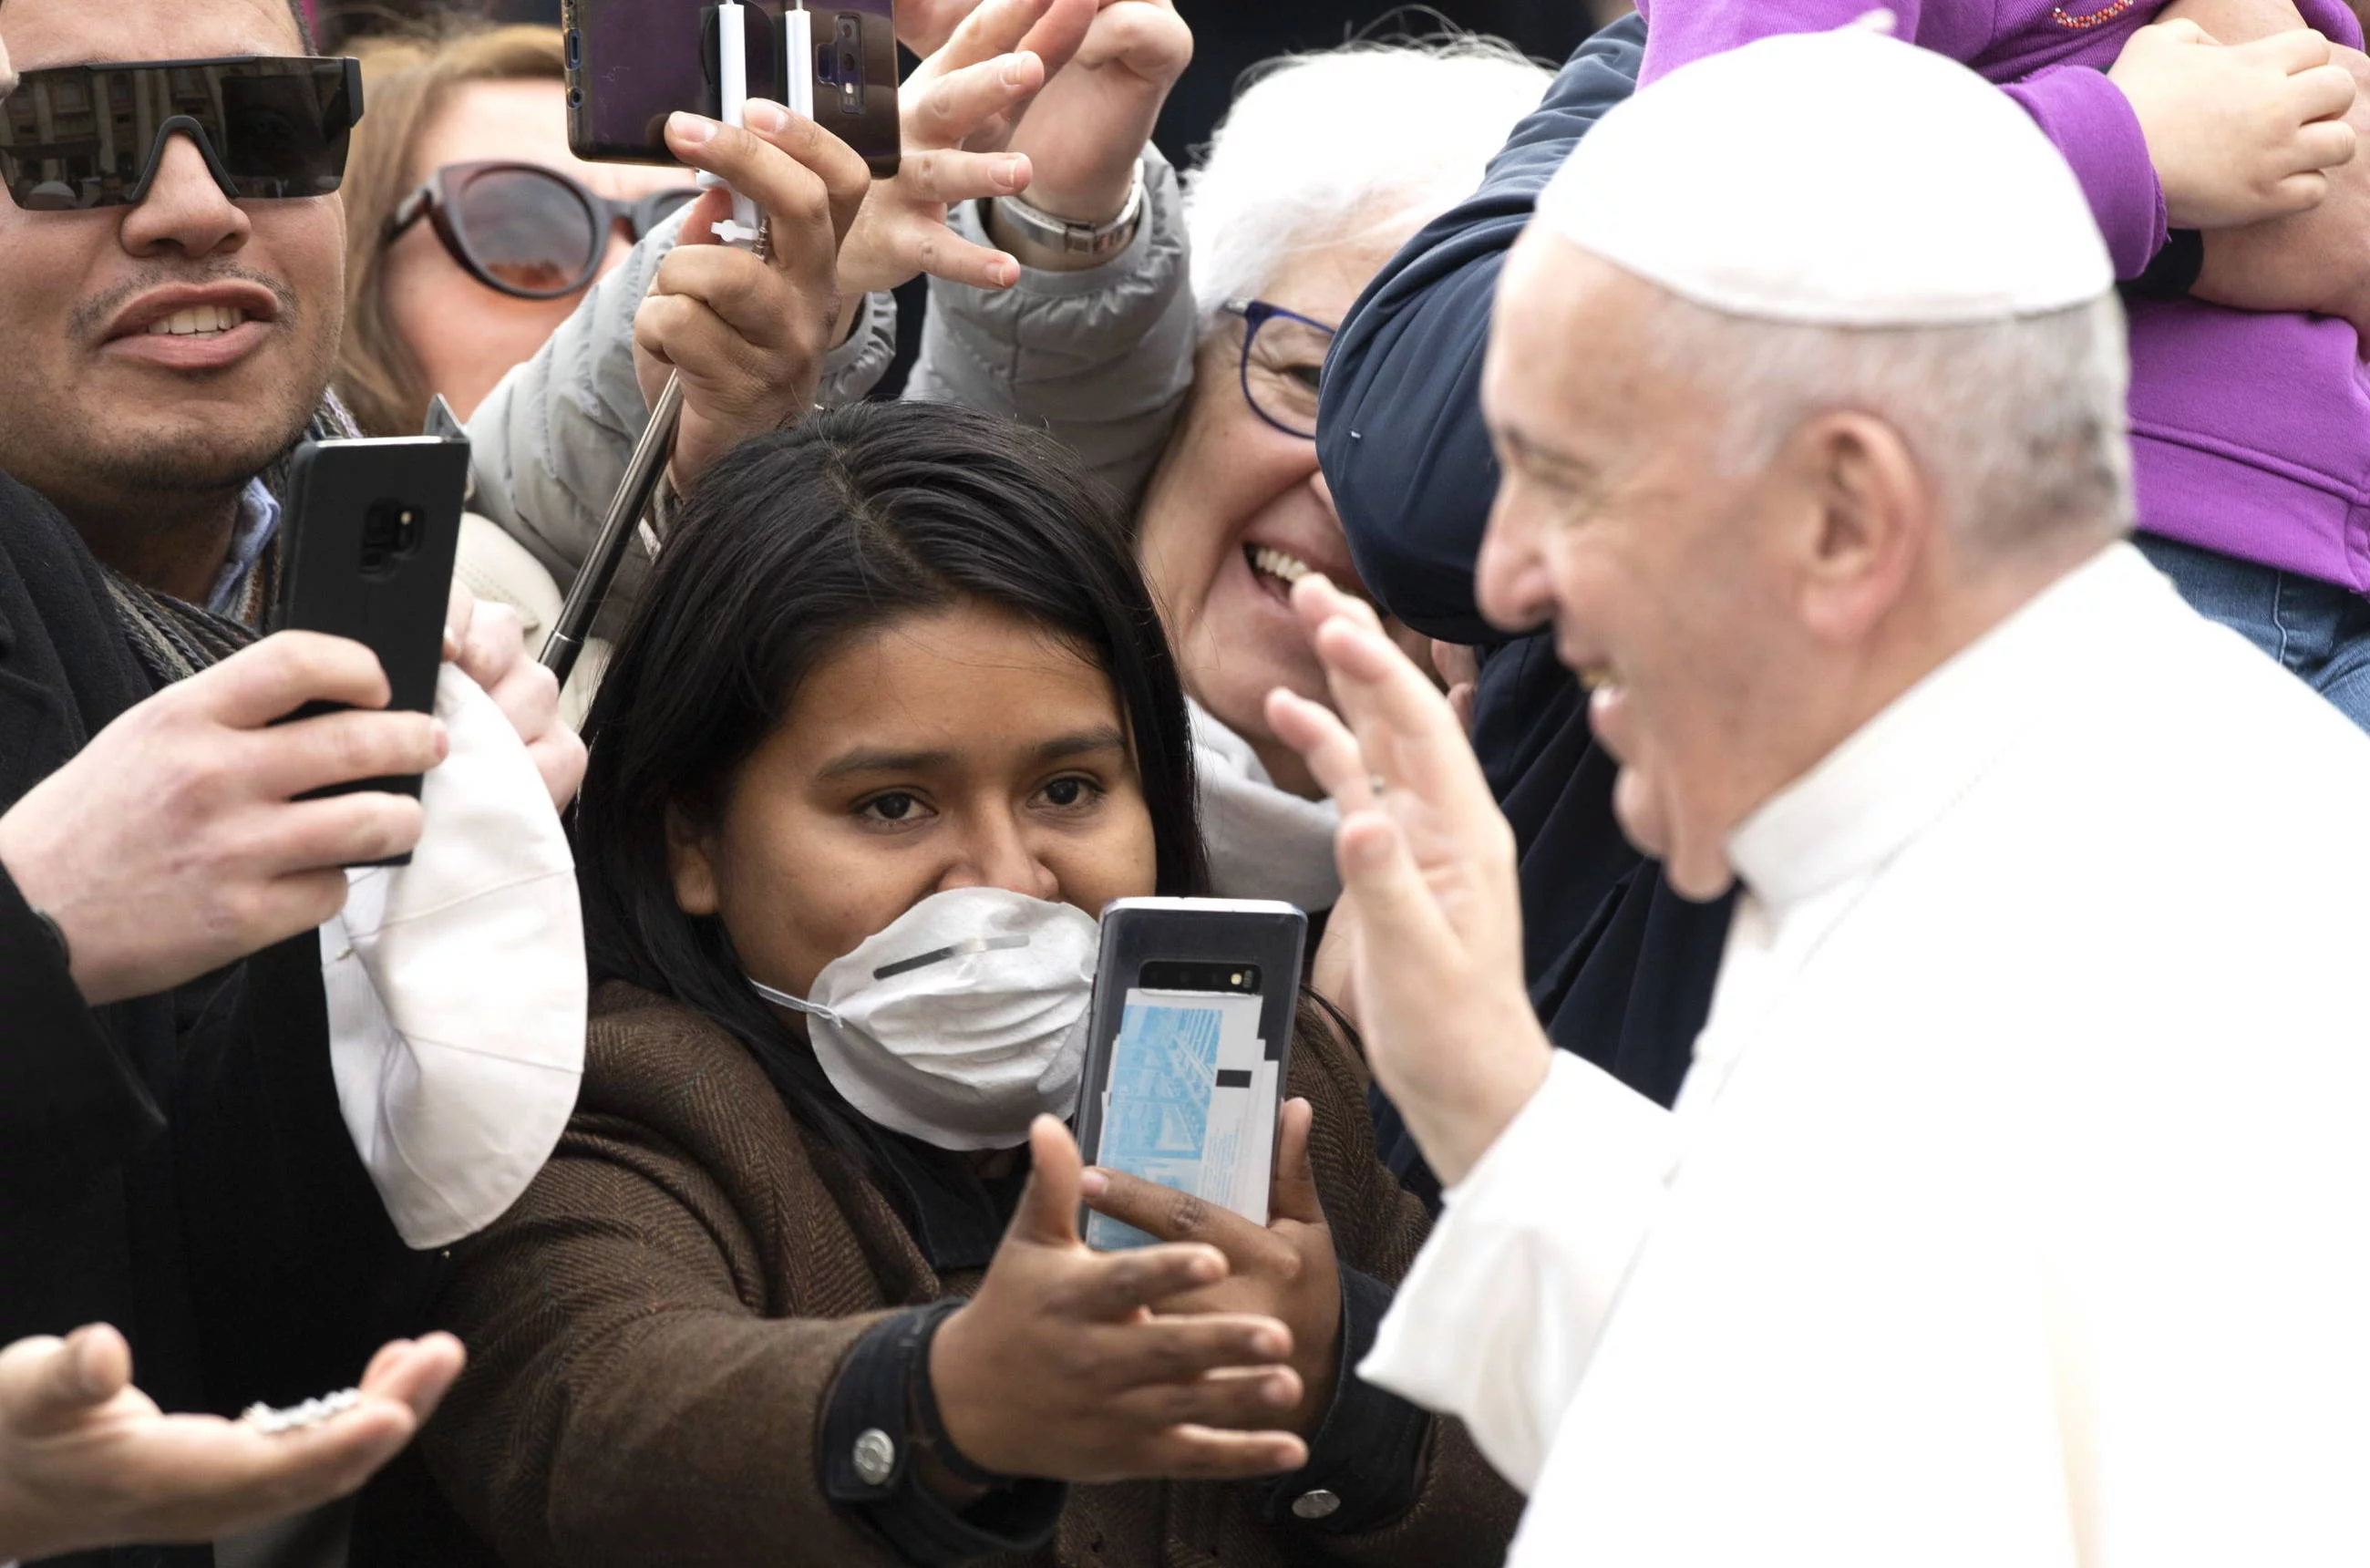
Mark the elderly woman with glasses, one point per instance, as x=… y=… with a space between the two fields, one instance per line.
x=1174 y=339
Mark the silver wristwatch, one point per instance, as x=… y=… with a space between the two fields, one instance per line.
x=1075 y=238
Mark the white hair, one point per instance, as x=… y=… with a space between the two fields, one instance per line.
x=1325 y=147
x=2019 y=424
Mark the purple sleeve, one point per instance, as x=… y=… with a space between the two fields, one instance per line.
x=1680 y=30
x=2094 y=127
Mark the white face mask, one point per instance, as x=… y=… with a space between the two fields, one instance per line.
x=962 y=1020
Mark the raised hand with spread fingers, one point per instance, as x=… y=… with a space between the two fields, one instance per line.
x=1086 y=133
x=1436 y=963
x=959 y=108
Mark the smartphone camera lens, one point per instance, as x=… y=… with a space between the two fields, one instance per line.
x=390 y=531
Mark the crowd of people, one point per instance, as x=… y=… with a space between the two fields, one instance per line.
x=1791 y=599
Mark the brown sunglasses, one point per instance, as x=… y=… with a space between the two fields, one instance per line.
x=525 y=230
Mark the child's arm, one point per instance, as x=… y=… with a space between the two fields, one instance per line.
x=2237 y=133
x=1680 y=30
x=2180 y=134
x=2317 y=260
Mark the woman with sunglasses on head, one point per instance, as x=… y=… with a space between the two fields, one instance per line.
x=472 y=232
x=803 y=1282
x=474 y=235
x=471 y=229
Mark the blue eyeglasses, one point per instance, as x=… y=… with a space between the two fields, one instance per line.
x=1283 y=363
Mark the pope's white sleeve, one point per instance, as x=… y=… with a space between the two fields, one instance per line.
x=1496 y=1321
x=456 y=988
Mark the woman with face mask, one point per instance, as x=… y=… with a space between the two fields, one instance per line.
x=892 y=723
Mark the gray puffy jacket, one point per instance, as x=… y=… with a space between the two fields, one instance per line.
x=549 y=443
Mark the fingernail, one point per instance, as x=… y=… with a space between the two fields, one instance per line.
x=1270 y=1344
x=1279 y=1391
x=1094 y=1183
x=1016 y=68
x=765 y=116
x=444 y=738
x=1012 y=171
x=692 y=128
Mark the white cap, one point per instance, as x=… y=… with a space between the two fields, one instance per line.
x=1842 y=178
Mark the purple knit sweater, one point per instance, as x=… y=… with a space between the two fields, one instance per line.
x=2251 y=433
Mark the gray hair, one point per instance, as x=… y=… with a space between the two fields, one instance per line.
x=2020 y=424
x=1324 y=147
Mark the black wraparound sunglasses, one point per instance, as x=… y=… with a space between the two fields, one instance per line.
x=269 y=128
x=525 y=230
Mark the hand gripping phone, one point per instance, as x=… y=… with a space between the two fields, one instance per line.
x=633 y=63
x=373 y=527
x=1188 y=1048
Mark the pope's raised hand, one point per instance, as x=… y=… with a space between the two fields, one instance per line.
x=1438 y=961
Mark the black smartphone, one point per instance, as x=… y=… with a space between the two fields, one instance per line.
x=1189 y=1047
x=633 y=63
x=373 y=527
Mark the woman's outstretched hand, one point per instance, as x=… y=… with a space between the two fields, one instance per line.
x=1437 y=962
x=1283 y=1270
x=1059 y=1368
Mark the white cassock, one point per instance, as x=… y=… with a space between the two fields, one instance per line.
x=2014 y=1212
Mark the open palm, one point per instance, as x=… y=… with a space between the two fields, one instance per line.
x=1428 y=861
x=87 y=1459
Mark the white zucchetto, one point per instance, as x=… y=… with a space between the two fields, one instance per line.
x=1839 y=179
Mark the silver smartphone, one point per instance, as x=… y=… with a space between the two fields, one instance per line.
x=1189 y=1047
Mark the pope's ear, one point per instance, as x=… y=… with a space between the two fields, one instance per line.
x=1875 y=519
x=690 y=864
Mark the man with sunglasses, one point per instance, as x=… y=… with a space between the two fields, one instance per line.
x=174 y=1159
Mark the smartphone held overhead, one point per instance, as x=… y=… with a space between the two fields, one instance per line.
x=633 y=63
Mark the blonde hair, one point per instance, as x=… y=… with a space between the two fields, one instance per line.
x=407 y=80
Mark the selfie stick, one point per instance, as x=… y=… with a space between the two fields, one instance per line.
x=745 y=229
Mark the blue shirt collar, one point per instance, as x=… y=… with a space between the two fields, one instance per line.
x=258 y=525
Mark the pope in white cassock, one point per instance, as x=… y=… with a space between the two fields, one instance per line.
x=2014 y=1213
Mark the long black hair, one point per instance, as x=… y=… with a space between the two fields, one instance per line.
x=791 y=547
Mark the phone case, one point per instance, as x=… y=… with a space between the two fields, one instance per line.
x=632 y=62
x=372 y=530
x=854 y=74
x=1161 y=932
